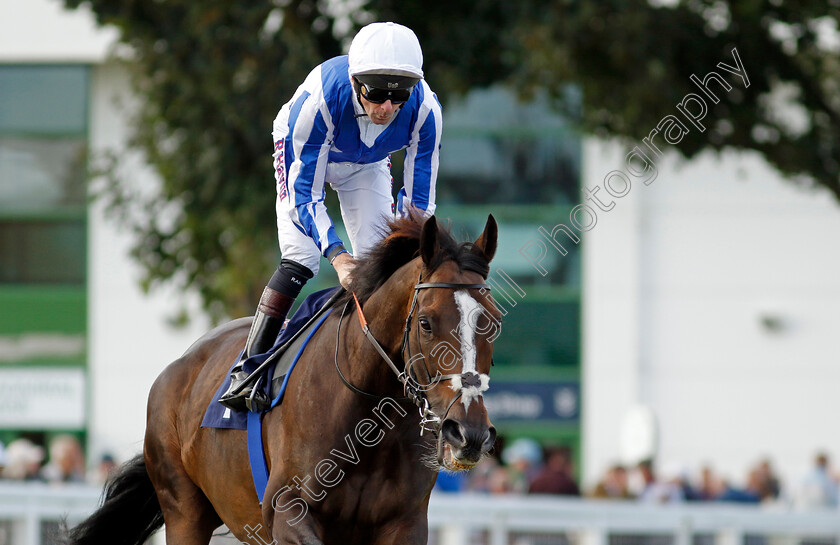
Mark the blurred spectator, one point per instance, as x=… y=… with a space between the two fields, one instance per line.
x=105 y=469
x=613 y=485
x=730 y=493
x=450 y=481
x=479 y=476
x=556 y=475
x=67 y=464
x=817 y=489
x=656 y=491
x=499 y=481
x=2 y=458
x=710 y=485
x=767 y=483
x=676 y=475
x=523 y=458
x=23 y=460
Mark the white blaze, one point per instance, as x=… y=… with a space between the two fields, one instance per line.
x=470 y=310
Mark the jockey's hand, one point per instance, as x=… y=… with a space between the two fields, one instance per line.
x=344 y=265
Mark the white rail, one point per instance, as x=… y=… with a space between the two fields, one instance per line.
x=28 y=512
x=516 y=520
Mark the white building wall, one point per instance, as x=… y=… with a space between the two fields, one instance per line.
x=43 y=31
x=131 y=338
x=717 y=244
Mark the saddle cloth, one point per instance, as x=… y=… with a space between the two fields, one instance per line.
x=275 y=377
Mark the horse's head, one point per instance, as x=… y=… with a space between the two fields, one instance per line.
x=449 y=349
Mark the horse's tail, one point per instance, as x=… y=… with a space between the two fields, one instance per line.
x=130 y=512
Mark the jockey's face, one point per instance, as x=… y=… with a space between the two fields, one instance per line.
x=380 y=114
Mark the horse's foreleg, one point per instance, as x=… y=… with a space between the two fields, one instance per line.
x=288 y=519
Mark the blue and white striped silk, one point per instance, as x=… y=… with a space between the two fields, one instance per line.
x=319 y=125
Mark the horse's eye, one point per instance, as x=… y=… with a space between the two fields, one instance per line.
x=424 y=324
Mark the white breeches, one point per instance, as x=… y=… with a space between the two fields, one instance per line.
x=364 y=192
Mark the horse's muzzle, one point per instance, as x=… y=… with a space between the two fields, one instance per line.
x=461 y=447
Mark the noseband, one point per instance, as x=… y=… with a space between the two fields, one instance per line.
x=414 y=391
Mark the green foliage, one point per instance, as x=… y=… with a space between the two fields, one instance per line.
x=633 y=61
x=214 y=73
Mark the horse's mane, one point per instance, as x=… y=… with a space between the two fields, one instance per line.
x=400 y=245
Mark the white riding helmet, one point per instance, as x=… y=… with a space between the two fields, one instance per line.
x=387 y=49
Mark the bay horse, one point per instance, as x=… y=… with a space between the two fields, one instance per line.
x=351 y=460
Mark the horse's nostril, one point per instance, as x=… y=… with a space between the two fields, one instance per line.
x=453 y=433
x=489 y=439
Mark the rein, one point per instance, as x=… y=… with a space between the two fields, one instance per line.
x=415 y=392
x=372 y=397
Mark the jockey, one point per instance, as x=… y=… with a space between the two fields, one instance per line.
x=340 y=127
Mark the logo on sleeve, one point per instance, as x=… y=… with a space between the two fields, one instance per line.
x=280 y=170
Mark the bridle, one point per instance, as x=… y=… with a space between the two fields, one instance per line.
x=414 y=391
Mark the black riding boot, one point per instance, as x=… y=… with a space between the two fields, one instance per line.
x=276 y=300
x=268 y=321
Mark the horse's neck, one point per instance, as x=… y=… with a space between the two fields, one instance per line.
x=385 y=310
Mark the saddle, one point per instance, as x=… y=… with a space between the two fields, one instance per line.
x=292 y=340
x=286 y=356
x=274 y=368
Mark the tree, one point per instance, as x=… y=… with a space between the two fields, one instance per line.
x=634 y=61
x=213 y=75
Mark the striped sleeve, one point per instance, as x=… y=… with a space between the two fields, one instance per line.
x=307 y=153
x=422 y=157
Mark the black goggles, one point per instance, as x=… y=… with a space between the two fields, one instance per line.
x=379 y=96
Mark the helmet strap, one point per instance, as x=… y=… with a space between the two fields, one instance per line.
x=357 y=88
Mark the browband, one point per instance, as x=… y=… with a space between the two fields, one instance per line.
x=452 y=286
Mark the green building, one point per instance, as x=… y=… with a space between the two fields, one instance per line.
x=43 y=239
x=521 y=163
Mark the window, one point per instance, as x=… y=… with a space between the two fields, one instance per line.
x=43 y=152
x=521 y=161
x=499 y=150
x=42 y=251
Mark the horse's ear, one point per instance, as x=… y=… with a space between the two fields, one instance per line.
x=428 y=240
x=487 y=241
